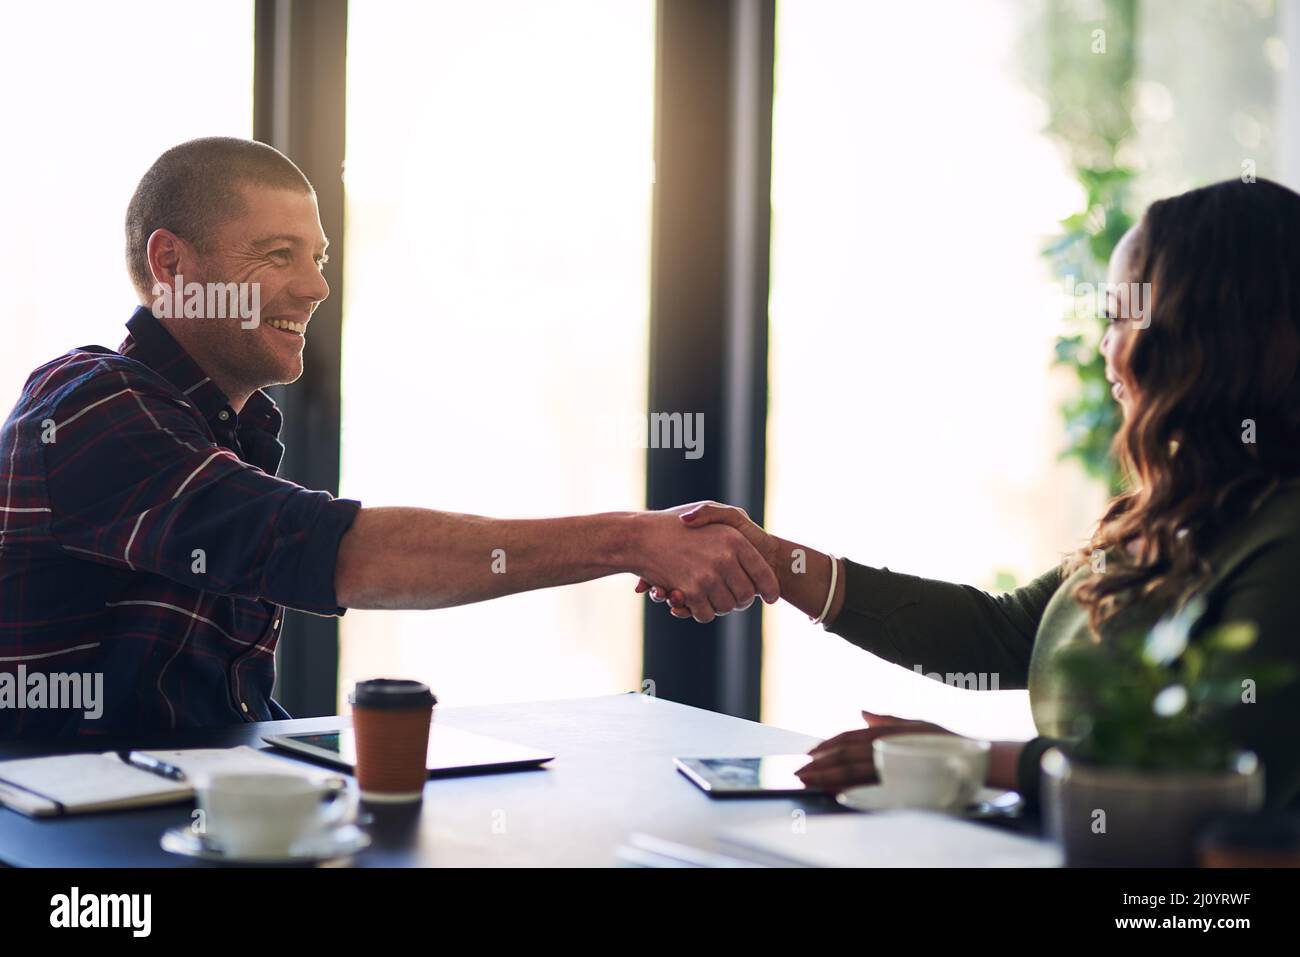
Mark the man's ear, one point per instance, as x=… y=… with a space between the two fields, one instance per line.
x=167 y=253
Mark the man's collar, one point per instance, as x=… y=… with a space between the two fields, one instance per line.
x=148 y=342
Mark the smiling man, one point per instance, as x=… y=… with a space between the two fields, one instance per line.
x=144 y=533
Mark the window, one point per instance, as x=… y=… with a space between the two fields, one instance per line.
x=914 y=419
x=82 y=123
x=496 y=314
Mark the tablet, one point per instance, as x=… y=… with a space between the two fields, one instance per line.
x=451 y=751
x=739 y=777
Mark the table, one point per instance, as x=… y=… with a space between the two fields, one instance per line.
x=613 y=775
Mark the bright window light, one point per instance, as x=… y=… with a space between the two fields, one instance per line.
x=496 y=314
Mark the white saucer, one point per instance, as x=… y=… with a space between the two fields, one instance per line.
x=340 y=842
x=872 y=797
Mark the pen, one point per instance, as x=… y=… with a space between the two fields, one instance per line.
x=153 y=765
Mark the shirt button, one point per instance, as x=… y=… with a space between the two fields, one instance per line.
x=223 y=415
x=244 y=705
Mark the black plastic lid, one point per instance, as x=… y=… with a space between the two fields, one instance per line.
x=392 y=693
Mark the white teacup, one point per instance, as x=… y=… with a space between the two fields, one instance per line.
x=269 y=814
x=940 y=772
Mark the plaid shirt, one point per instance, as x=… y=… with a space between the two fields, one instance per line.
x=144 y=536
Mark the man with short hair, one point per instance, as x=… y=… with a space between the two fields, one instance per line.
x=144 y=533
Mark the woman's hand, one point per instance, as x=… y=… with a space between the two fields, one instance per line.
x=847 y=759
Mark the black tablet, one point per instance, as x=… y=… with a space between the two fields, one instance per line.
x=740 y=777
x=451 y=751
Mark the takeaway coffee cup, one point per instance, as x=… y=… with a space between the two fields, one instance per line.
x=390 y=719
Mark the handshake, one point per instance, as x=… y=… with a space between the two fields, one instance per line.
x=707 y=559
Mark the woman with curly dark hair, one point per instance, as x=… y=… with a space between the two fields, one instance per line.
x=1206 y=368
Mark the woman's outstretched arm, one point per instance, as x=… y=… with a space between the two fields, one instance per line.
x=935 y=627
x=981 y=640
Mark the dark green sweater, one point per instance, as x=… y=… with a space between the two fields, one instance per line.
x=958 y=629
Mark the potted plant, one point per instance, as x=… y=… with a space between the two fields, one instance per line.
x=1149 y=759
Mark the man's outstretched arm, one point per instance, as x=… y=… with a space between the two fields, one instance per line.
x=421 y=558
x=140 y=485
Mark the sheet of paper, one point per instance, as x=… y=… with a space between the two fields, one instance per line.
x=890 y=839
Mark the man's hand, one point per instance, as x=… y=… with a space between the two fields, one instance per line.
x=848 y=759
x=697 y=516
x=714 y=569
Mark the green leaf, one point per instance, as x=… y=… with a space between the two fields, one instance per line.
x=1233 y=636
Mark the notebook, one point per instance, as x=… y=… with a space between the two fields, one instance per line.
x=888 y=839
x=81 y=783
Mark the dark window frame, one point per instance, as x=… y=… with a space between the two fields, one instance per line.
x=299 y=102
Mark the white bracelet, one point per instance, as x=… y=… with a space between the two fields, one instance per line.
x=830 y=595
